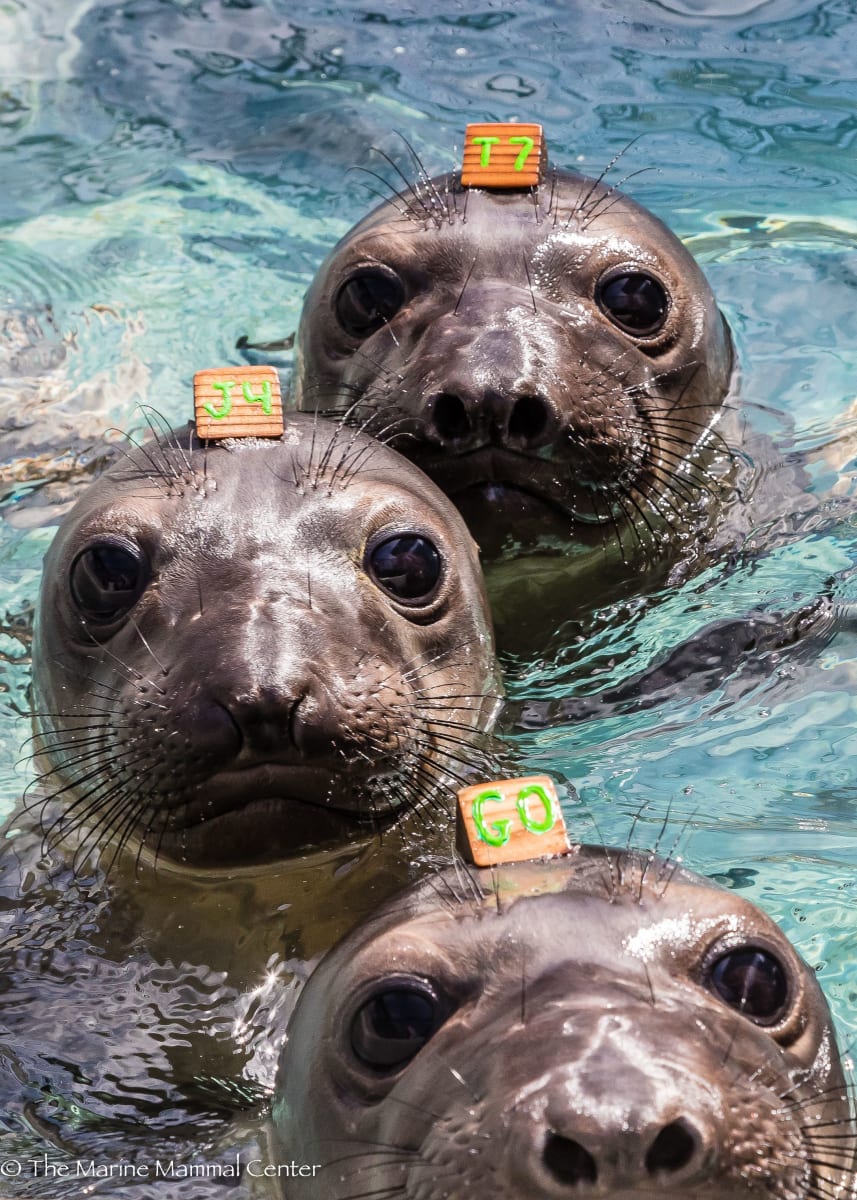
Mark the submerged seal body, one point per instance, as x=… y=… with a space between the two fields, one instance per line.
x=251 y=648
x=555 y=360
x=602 y=1024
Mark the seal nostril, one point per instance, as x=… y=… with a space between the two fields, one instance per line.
x=528 y=419
x=568 y=1161
x=450 y=416
x=672 y=1149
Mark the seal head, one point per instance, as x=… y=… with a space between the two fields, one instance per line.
x=602 y=1024
x=554 y=360
x=246 y=649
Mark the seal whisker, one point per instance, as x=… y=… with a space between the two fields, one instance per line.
x=359 y=461
x=409 y=187
x=125 y=832
x=419 y=1108
x=74 y=672
x=391 y=1189
x=120 y=826
x=611 y=516
x=163 y=471
x=164 y=435
x=381 y=1148
x=56 y=747
x=441 y=739
x=390 y=196
x=436 y=722
x=79 y=780
x=600 y=208
x=670 y=493
x=422 y=173
x=408 y=670
x=530 y=284
x=80 y=808
x=594 y=184
x=164 y=670
x=158 y=843
x=689 y=445
x=94 y=753
x=48 y=736
x=133 y=674
x=814 y=1161
x=467 y=279
x=90 y=803
x=445 y=775
x=462 y=868
x=619 y=498
x=451 y=905
x=654 y=535
x=683 y=490
x=805 y=1101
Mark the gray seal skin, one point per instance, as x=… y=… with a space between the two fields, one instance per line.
x=253 y=648
x=605 y=1024
x=554 y=360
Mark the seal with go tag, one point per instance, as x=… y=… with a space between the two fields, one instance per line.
x=503 y=154
x=238 y=402
x=510 y=820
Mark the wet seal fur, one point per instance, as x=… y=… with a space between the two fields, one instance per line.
x=604 y=1024
x=222 y=676
x=554 y=360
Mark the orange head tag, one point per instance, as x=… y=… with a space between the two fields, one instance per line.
x=503 y=155
x=510 y=820
x=237 y=402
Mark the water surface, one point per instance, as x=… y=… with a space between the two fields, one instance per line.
x=173 y=173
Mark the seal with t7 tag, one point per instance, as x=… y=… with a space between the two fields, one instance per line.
x=510 y=820
x=503 y=154
x=238 y=402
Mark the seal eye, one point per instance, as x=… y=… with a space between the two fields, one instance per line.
x=407 y=566
x=635 y=302
x=107 y=579
x=368 y=300
x=394 y=1024
x=753 y=981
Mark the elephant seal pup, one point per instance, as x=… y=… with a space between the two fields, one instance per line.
x=554 y=359
x=606 y=1023
x=251 y=648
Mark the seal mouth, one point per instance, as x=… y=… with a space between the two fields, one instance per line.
x=505 y=493
x=289 y=787
x=261 y=831
x=269 y=812
x=511 y=479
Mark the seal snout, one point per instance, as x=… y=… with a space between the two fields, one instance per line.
x=675 y=1151
x=491 y=389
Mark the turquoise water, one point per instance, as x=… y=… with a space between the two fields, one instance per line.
x=173 y=173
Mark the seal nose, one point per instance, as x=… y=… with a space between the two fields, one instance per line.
x=568 y=1161
x=267 y=718
x=675 y=1150
x=676 y=1147
x=465 y=418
